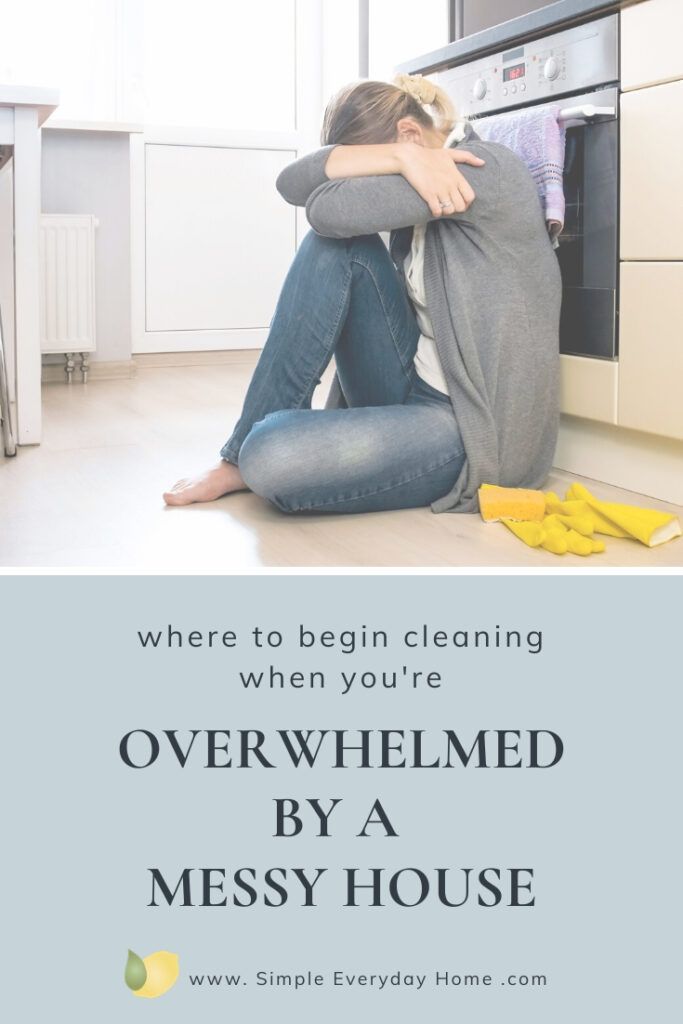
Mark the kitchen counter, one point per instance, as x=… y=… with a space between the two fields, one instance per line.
x=555 y=17
x=106 y=127
x=44 y=101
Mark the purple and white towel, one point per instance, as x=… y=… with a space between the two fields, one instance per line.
x=537 y=138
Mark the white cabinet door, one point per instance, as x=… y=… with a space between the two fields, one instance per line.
x=651 y=168
x=219 y=241
x=651 y=348
x=651 y=48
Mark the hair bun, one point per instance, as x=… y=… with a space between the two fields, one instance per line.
x=421 y=89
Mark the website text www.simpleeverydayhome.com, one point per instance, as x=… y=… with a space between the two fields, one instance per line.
x=380 y=981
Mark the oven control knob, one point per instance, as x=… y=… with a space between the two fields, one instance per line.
x=479 y=89
x=552 y=68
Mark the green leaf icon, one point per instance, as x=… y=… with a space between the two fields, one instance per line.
x=136 y=972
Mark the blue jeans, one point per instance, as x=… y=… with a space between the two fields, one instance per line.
x=397 y=445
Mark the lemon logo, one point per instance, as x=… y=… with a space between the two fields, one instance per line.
x=152 y=976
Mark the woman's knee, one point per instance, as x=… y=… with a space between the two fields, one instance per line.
x=322 y=248
x=265 y=460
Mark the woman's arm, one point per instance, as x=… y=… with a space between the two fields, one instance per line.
x=431 y=172
x=349 y=206
x=300 y=179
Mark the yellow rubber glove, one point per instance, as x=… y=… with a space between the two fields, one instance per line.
x=569 y=525
x=646 y=525
x=558 y=534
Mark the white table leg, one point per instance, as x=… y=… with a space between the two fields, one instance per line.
x=26 y=272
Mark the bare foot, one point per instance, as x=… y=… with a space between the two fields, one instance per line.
x=215 y=482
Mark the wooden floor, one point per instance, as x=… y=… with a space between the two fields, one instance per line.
x=90 y=496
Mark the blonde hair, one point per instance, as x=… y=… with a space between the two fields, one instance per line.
x=368 y=112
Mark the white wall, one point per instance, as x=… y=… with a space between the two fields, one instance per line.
x=211 y=238
x=89 y=172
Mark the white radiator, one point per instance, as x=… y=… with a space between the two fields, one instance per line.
x=67 y=292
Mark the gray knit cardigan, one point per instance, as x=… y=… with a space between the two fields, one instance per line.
x=493 y=292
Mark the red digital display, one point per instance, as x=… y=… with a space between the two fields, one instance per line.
x=517 y=71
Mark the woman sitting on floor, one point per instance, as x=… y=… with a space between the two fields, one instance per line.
x=446 y=348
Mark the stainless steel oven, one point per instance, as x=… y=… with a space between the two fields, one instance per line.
x=578 y=70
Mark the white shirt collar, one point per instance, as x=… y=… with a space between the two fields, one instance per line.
x=457 y=135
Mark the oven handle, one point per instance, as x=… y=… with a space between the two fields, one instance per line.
x=585 y=113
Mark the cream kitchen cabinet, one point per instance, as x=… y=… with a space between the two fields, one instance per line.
x=651 y=162
x=589 y=388
x=643 y=390
x=650 y=392
x=651 y=348
x=651 y=50
x=625 y=422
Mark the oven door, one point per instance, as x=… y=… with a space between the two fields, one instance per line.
x=588 y=252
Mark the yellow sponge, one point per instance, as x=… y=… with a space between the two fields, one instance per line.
x=510 y=503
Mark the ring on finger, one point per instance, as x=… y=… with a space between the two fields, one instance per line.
x=445 y=205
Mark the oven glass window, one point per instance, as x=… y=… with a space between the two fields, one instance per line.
x=588 y=244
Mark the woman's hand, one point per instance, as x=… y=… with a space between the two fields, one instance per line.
x=435 y=177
